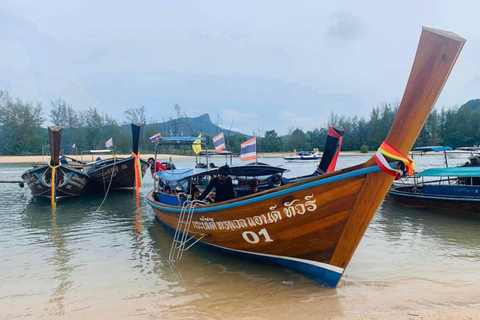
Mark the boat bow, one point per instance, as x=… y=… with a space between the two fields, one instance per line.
x=436 y=55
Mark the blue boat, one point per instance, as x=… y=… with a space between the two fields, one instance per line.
x=455 y=189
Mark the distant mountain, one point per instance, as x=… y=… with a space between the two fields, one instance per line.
x=471 y=105
x=189 y=126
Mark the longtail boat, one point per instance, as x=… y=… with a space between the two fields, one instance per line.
x=453 y=189
x=55 y=180
x=314 y=225
x=119 y=174
x=456 y=189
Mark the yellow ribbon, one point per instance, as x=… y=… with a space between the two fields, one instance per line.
x=53 y=185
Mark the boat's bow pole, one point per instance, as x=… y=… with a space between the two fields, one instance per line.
x=138 y=169
x=332 y=145
x=55 y=138
x=436 y=55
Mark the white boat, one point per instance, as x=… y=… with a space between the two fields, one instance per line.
x=304 y=156
x=463 y=152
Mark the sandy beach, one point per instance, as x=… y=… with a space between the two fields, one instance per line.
x=42 y=159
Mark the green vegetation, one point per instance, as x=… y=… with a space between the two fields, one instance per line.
x=21 y=130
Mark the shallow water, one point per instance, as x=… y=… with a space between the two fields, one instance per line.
x=81 y=261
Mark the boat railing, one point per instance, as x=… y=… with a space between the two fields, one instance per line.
x=183 y=236
x=94 y=153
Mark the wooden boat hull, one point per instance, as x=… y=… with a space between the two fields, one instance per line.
x=302 y=159
x=70 y=182
x=114 y=174
x=315 y=225
x=454 y=197
x=267 y=226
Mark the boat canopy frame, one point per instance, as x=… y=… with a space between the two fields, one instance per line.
x=423 y=150
x=94 y=152
x=166 y=141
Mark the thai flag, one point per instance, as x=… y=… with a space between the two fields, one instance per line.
x=219 y=142
x=248 y=150
x=156 y=138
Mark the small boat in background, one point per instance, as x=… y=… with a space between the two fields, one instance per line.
x=304 y=156
x=463 y=152
x=473 y=161
x=204 y=158
x=451 y=188
x=117 y=174
x=55 y=180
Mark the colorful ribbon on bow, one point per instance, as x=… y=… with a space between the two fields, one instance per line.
x=389 y=151
x=333 y=163
x=138 y=174
x=334 y=134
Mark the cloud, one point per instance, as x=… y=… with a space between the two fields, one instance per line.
x=345 y=27
x=239 y=120
x=292 y=120
x=16 y=28
x=473 y=86
x=242 y=65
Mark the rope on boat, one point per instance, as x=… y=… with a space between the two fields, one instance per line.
x=109 y=184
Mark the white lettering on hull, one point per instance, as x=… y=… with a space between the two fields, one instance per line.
x=290 y=210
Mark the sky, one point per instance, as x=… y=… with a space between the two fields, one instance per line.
x=253 y=66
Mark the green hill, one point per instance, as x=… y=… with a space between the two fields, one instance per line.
x=471 y=105
x=188 y=127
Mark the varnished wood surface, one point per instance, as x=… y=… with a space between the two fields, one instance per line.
x=312 y=235
x=436 y=54
x=344 y=208
x=55 y=138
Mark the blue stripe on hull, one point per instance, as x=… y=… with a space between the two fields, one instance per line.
x=286 y=191
x=318 y=273
x=433 y=197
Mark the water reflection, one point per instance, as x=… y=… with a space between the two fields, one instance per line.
x=52 y=228
x=80 y=262
x=429 y=225
x=206 y=284
x=407 y=245
x=61 y=261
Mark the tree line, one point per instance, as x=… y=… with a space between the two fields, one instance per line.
x=22 y=131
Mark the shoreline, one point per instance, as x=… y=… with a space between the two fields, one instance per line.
x=43 y=159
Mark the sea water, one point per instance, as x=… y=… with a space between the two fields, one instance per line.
x=86 y=260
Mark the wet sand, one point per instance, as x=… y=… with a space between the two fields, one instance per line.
x=42 y=159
